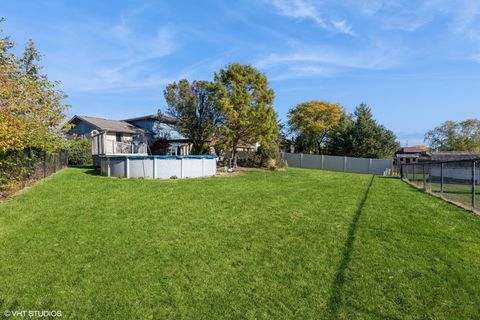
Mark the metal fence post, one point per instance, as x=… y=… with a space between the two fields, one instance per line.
x=424 y=179
x=45 y=164
x=301 y=160
x=441 y=178
x=473 y=184
x=414 y=173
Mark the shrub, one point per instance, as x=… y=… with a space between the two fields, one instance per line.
x=80 y=152
x=267 y=152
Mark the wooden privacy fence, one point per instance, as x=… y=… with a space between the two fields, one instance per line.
x=336 y=163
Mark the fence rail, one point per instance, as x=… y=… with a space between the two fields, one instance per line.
x=19 y=168
x=336 y=163
x=456 y=181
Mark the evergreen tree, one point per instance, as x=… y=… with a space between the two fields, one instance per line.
x=340 y=141
x=30 y=58
x=6 y=57
x=361 y=136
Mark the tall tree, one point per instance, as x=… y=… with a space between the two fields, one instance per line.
x=30 y=58
x=194 y=110
x=5 y=45
x=340 y=141
x=246 y=103
x=31 y=108
x=455 y=136
x=312 y=121
x=361 y=136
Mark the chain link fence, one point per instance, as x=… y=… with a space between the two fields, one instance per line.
x=19 y=168
x=456 y=181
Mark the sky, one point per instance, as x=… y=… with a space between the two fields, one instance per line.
x=415 y=63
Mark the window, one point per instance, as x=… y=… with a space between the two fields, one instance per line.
x=119 y=137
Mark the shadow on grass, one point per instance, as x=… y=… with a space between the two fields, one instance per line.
x=90 y=170
x=339 y=280
x=93 y=172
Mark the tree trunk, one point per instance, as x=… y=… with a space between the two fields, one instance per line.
x=234 y=154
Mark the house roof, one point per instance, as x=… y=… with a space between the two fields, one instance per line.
x=454 y=155
x=168 y=132
x=161 y=118
x=107 y=124
x=410 y=150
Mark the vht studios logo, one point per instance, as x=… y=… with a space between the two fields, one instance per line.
x=33 y=313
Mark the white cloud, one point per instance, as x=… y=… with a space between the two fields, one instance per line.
x=310 y=70
x=112 y=57
x=301 y=9
x=344 y=27
x=377 y=58
x=325 y=62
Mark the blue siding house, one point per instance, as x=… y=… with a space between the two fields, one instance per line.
x=118 y=136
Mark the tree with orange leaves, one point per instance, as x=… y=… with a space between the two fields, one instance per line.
x=31 y=107
x=312 y=121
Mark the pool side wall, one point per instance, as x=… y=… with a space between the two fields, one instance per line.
x=158 y=167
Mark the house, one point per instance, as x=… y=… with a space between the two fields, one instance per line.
x=109 y=136
x=151 y=134
x=408 y=155
x=161 y=135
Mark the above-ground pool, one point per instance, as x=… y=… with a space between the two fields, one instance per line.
x=158 y=167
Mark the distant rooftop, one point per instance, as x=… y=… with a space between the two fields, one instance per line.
x=411 y=150
x=454 y=155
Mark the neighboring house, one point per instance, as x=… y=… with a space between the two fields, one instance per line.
x=407 y=155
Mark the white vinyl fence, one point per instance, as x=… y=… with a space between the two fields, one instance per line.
x=335 y=163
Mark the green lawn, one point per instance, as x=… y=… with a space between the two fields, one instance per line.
x=453 y=191
x=304 y=244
